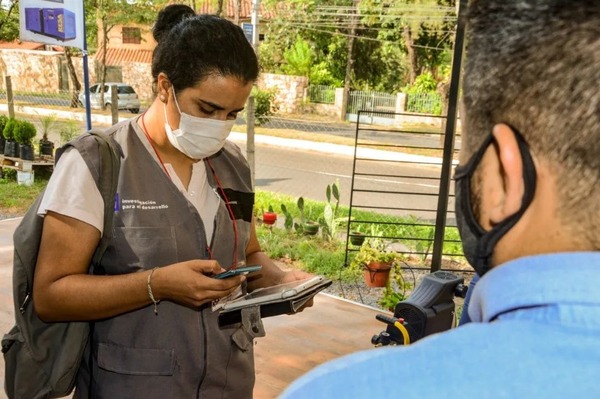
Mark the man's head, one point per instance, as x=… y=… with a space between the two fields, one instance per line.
x=533 y=66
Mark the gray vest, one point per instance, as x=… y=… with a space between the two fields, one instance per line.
x=181 y=352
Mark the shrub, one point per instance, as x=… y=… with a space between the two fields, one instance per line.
x=68 y=132
x=9 y=129
x=24 y=132
x=3 y=121
x=263 y=104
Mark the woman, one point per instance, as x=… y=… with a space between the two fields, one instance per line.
x=183 y=212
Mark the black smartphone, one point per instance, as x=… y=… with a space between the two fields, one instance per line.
x=237 y=271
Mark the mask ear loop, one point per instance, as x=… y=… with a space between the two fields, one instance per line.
x=231 y=215
x=490 y=239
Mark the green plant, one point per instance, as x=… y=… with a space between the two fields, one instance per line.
x=9 y=129
x=3 y=121
x=330 y=220
x=48 y=122
x=372 y=250
x=24 y=132
x=263 y=104
x=289 y=219
x=395 y=290
x=68 y=131
x=299 y=57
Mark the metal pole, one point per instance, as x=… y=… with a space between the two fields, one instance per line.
x=86 y=77
x=254 y=21
x=9 y=98
x=440 y=222
x=250 y=150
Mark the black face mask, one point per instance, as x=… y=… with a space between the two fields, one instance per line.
x=478 y=244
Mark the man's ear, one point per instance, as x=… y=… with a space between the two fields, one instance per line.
x=511 y=169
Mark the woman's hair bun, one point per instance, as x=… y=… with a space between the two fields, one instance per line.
x=168 y=17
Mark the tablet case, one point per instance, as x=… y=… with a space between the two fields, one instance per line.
x=276 y=307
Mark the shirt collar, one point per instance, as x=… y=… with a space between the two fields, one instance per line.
x=537 y=281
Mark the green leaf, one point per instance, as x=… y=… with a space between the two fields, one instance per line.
x=328 y=193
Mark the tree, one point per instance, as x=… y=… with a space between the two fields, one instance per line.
x=110 y=13
x=9 y=20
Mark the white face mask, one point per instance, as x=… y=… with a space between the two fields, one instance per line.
x=198 y=138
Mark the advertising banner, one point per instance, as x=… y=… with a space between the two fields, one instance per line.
x=58 y=22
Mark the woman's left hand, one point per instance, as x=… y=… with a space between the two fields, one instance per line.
x=294 y=275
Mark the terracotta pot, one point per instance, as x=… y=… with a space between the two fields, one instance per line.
x=269 y=218
x=377 y=273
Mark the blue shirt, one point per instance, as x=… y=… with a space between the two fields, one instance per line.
x=535 y=334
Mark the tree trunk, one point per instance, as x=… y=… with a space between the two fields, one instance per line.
x=193 y=5
x=75 y=85
x=219 y=8
x=349 y=63
x=103 y=64
x=412 y=57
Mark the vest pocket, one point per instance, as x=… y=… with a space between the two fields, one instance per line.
x=136 y=361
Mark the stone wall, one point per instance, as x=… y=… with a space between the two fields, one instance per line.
x=31 y=71
x=289 y=90
x=139 y=76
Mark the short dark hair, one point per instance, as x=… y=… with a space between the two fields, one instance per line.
x=192 y=47
x=535 y=65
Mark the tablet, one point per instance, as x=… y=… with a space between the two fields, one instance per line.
x=281 y=299
x=273 y=293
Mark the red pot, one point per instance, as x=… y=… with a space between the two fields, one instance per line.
x=269 y=218
x=377 y=273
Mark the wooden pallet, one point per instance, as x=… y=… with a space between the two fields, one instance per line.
x=24 y=165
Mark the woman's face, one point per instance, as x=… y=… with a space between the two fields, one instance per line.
x=216 y=97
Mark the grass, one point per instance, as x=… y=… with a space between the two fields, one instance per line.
x=16 y=199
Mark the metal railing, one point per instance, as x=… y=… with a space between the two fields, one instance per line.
x=424 y=103
x=321 y=94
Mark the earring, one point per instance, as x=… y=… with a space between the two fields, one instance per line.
x=162 y=98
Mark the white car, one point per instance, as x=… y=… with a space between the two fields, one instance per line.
x=127 y=97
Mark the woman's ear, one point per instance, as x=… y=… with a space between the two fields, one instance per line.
x=163 y=85
x=510 y=163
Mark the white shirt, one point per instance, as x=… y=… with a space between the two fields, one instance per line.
x=71 y=191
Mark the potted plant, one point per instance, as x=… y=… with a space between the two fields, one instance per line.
x=24 y=132
x=10 y=146
x=375 y=263
x=308 y=227
x=3 y=120
x=269 y=217
x=47 y=146
x=357 y=237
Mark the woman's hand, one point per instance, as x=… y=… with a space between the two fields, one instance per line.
x=190 y=283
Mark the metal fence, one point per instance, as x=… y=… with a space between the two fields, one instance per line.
x=395 y=186
x=321 y=94
x=424 y=103
x=376 y=104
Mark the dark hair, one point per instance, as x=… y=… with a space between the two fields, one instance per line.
x=533 y=64
x=192 y=47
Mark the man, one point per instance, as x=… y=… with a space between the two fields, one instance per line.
x=528 y=190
